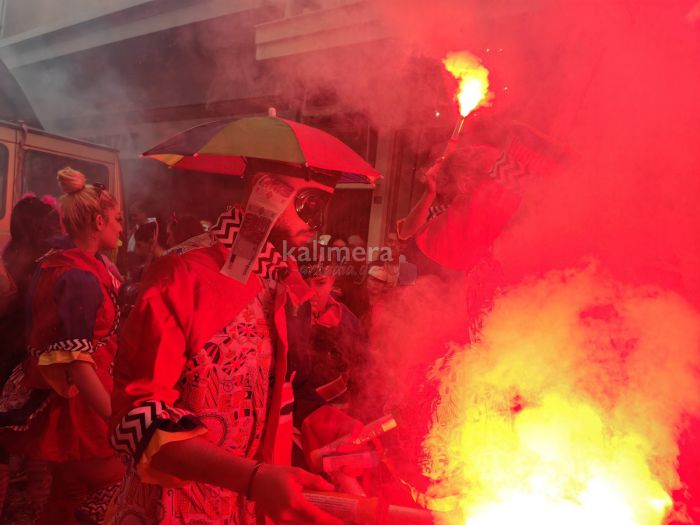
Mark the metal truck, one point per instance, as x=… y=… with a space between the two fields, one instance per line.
x=30 y=158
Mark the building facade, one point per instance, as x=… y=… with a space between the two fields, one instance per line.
x=130 y=73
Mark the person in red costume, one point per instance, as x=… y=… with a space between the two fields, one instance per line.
x=203 y=394
x=462 y=210
x=57 y=402
x=472 y=195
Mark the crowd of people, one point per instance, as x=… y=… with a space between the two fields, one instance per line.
x=175 y=391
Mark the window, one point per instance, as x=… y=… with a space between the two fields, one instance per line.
x=39 y=170
x=4 y=157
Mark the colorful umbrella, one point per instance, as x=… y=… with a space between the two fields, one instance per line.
x=224 y=146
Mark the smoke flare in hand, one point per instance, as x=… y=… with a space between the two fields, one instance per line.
x=473 y=80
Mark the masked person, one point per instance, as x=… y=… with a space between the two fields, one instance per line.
x=64 y=385
x=202 y=403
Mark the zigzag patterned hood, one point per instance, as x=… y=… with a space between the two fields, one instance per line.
x=269 y=265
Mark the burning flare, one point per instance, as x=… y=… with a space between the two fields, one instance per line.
x=566 y=411
x=473 y=80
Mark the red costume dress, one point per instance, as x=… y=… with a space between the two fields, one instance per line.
x=203 y=354
x=74 y=317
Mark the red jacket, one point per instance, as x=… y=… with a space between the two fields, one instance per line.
x=74 y=317
x=464 y=234
x=185 y=300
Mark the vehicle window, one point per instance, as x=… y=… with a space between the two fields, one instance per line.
x=4 y=157
x=39 y=170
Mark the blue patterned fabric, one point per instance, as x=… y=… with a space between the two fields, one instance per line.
x=78 y=296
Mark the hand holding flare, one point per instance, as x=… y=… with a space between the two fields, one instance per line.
x=473 y=91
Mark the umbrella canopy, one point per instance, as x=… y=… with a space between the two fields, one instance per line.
x=224 y=146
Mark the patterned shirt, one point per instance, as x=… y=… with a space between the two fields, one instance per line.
x=203 y=355
x=226 y=384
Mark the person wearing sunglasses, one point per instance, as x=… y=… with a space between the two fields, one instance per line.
x=203 y=380
x=304 y=217
x=64 y=385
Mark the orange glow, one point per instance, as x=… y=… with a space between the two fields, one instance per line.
x=473 y=80
x=547 y=420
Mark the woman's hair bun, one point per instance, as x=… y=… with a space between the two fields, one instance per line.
x=70 y=180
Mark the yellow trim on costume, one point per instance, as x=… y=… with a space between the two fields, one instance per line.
x=59 y=357
x=160 y=438
x=56 y=376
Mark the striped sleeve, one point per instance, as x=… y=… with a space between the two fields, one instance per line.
x=152 y=354
x=146 y=428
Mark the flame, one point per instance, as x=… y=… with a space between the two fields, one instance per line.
x=473 y=80
x=555 y=416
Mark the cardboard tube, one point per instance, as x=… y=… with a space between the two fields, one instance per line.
x=362 y=510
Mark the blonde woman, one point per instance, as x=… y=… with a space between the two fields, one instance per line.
x=72 y=340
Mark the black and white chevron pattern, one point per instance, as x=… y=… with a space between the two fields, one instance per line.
x=508 y=170
x=519 y=162
x=117 y=313
x=93 y=509
x=72 y=345
x=135 y=430
x=227 y=226
x=437 y=210
x=131 y=430
x=269 y=265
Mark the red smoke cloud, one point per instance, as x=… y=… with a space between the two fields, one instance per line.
x=618 y=85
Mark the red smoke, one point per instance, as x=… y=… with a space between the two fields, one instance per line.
x=618 y=84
